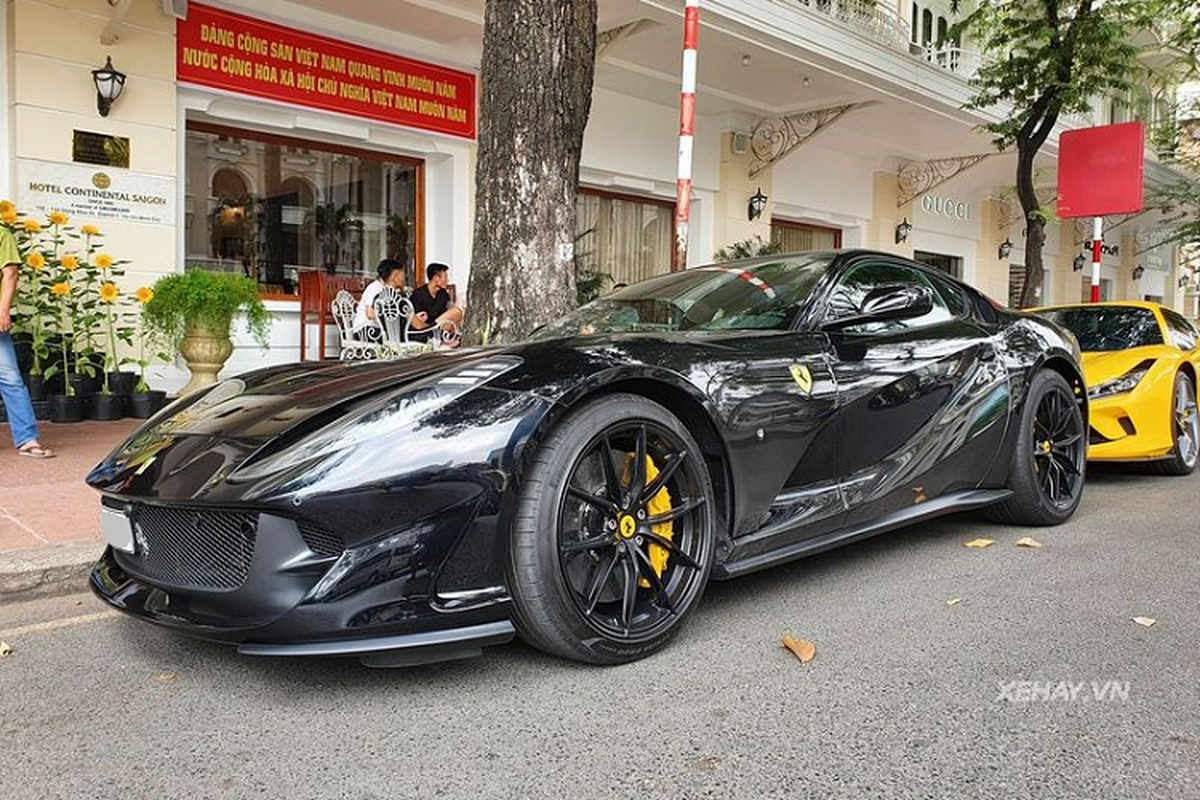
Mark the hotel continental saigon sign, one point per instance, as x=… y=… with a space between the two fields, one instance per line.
x=236 y=53
x=95 y=193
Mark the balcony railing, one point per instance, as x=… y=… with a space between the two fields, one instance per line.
x=951 y=57
x=869 y=17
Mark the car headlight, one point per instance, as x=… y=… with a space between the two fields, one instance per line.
x=1126 y=383
x=380 y=417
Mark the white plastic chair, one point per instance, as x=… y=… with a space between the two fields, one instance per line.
x=354 y=345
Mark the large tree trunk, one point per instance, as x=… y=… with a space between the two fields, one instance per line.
x=1035 y=224
x=538 y=62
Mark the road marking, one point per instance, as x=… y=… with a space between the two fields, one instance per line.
x=53 y=625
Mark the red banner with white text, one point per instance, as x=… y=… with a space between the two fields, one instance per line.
x=223 y=50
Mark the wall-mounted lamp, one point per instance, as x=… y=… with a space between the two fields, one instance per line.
x=1138 y=272
x=903 y=230
x=109 y=84
x=758 y=204
x=1005 y=249
x=1078 y=264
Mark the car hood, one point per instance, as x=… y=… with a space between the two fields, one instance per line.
x=269 y=403
x=1099 y=367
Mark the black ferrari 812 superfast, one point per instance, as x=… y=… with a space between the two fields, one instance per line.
x=580 y=489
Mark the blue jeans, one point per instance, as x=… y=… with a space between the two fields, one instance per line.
x=21 y=419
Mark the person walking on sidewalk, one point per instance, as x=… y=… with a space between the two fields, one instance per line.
x=21 y=420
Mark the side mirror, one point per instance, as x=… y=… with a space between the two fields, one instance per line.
x=886 y=304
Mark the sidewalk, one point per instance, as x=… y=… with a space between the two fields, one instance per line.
x=49 y=518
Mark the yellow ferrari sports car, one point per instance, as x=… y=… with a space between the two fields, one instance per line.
x=1140 y=362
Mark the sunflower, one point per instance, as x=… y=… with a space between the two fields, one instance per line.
x=35 y=260
x=109 y=292
x=33 y=226
x=70 y=262
x=90 y=230
x=8 y=217
x=103 y=260
x=144 y=295
x=58 y=218
x=6 y=207
x=61 y=289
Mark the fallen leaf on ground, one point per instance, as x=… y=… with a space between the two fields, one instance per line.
x=953 y=601
x=165 y=677
x=1029 y=541
x=803 y=649
x=981 y=543
x=1145 y=622
x=5 y=649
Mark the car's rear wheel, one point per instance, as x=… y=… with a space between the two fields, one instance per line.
x=613 y=537
x=1049 y=459
x=1185 y=427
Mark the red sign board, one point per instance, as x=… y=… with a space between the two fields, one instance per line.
x=241 y=54
x=1100 y=170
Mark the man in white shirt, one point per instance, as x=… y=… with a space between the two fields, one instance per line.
x=391 y=273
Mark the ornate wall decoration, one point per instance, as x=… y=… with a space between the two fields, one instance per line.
x=918 y=177
x=773 y=139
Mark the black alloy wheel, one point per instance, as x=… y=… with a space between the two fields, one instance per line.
x=1049 y=457
x=1059 y=449
x=613 y=541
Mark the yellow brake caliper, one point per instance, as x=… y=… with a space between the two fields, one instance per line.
x=659 y=504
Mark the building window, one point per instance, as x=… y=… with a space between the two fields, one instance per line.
x=1106 y=289
x=797 y=237
x=271 y=207
x=1016 y=284
x=951 y=265
x=625 y=237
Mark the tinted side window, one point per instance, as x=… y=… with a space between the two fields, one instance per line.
x=1183 y=333
x=951 y=294
x=847 y=297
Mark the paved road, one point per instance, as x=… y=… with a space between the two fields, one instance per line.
x=907 y=697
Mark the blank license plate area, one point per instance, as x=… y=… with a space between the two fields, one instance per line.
x=117 y=529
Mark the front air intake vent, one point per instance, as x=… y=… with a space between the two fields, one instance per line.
x=191 y=547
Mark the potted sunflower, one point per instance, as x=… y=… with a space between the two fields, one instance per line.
x=144 y=401
x=195 y=310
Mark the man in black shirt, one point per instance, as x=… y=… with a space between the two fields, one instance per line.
x=432 y=306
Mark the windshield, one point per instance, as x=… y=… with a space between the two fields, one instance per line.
x=758 y=297
x=1105 y=328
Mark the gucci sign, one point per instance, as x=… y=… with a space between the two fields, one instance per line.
x=945 y=207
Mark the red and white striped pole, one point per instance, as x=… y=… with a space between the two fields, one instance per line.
x=1097 y=254
x=687 y=117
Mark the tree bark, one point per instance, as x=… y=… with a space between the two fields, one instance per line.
x=1035 y=224
x=538 y=63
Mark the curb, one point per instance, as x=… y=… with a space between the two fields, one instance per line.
x=46 y=571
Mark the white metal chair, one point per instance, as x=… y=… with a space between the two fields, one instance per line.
x=394 y=312
x=355 y=345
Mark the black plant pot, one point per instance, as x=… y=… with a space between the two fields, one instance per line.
x=105 y=406
x=65 y=409
x=146 y=404
x=82 y=384
x=122 y=382
x=41 y=410
x=37 y=387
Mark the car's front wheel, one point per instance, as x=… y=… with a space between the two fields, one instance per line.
x=1049 y=459
x=1185 y=428
x=614 y=533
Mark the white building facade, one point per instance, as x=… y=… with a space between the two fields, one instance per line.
x=846 y=114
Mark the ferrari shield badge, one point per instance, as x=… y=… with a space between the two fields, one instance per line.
x=802 y=377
